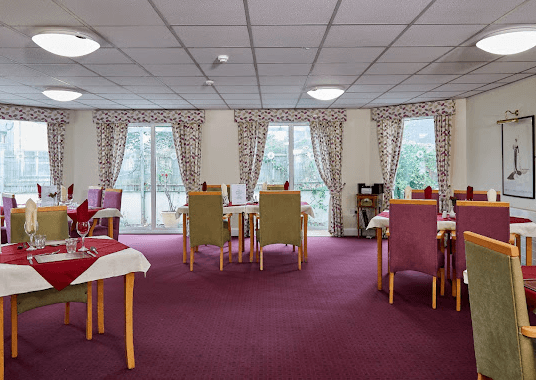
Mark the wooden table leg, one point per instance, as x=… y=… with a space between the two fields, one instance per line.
x=111 y=227
x=305 y=218
x=379 y=241
x=528 y=242
x=14 y=327
x=100 y=306
x=251 y=237
x=184 y=238
x=129 y=332
x=2 y=338
x=89 y=309
x=240 y=236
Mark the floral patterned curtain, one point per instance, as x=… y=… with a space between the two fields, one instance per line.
x=443 y=131
x=56 y=145
x=111 y=141
x=326 y=138
x=389 y=142
x=187 y=139
x=251 y=143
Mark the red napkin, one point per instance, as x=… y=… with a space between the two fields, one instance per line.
x=82 y=213
x=286 y=185
x=70 y=192
x=204 y=186
x=428 y=193
x=39 y=190
x=469 y=193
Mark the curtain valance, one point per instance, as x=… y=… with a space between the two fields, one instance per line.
x=47 y=115
x=149 y=116
x=441 y=107
x=294 y=115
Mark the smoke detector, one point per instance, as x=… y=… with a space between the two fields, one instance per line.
x=209 y=82
x=223 y=58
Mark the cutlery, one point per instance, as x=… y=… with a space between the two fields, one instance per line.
x=29 y=256
x=94 y=251
x=52 y=253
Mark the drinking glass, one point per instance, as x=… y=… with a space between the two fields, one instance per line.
x=31 y=230
x=82 y=228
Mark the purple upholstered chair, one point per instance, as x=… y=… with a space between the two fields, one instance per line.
x=483 y=196
x=94 y=196
x=413 y=241
x=3 y=230
x=9 y=202
x=420 y=194
x=112 y=199
x=491 y=219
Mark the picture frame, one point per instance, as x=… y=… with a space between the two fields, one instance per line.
x=518 y=158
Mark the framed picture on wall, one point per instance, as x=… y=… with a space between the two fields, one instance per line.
x=518 y=158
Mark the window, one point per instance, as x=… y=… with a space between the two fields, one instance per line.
x=288 y=156
x=417 y=166
x=23 y=158
x=150 y=178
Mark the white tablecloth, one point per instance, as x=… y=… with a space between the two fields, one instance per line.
x=248 y=209
x=17 y=279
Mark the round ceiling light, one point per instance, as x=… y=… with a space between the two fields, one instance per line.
x=61 y=94
x=66 y=43
x=325 y=92
x=509 y=41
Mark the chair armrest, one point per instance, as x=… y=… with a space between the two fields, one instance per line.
x=441 y=235
x=513 y=238
x=227 y=216
x=529 y=331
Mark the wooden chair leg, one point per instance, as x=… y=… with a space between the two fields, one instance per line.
x=67 y=312
x=230 y=252
x=391 y=286
x=14 y=327
x=192 y=249
x=458 y=294
x=434 y=292
x=299 y=257
x=261 y=259
x=221 y=258
x=482 y=377
x=454 y=282
x=89 y=309
x=442 y=278
x=100 y=306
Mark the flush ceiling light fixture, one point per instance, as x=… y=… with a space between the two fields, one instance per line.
x=66 y=43
x=61 y=94
x=325 y=92
x=509 y=41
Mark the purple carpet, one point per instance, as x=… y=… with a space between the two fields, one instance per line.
x=327 y=321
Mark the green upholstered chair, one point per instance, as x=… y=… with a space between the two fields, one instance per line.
x=52 y=222
x=205 y=210
x=280 y=220
x=217 y=188
x=501 y=329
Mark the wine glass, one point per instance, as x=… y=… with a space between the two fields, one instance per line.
x=31 y=230
x=82 y=228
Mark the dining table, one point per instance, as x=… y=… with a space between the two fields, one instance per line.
x=250 y=209
x=97 y=213
x=19 y=275
x=519 y=226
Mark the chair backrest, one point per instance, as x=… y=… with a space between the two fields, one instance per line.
x=460 y=195
x=276 y=187
x=483 y=195
x=498 y=309
x=413 y=235
x=419 y=194
x=52 y=222
x=9 y=202
x=94 y=196
x=280 y=219
x=491 y=219
x=205 y=209
x=112 y=199
x=217 y=188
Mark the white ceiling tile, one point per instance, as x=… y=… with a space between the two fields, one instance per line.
x=228 y=69
x=468 y=53
x=458 y=87
x=283 y=69
x=149 y=89
x=171 y=103
x=128 y=96
x=91 y=102
x=288 y=36
x=490 y=86
x=210 y=55
x=21 y=89
x=92 y=81
x=208 y=12
x=9 y=98
x=183 y=81
x=159 y=98
x=360 y=95
x=280 y=89
x=234 y=81
x=296 y=80
x=158 y=55
x=32 y=55
x=430 y=79
x=515 y=77
x=504 y=67
x=471 y=93
x=237 y=89
x=136 y=81
x=41 y=80
x=402 y=96
x=118 y=70
x=173 y=70
x=466 y=12
x=347 y=55
x=413 y=54
x=35 y=13
x=450 y=68
x=362 y=35
x=71 y=70
x=414 y=87
x=437 y=35
x=285 y=55
x=369 y=88
x=213 y=36
x=105 y=12
x=522 y=15
x=319 y=80
x=101 y=90
x=138 y=36
x=395 y=68
x=200 y=89
x=232 y=97
x=339 y=68
x=283 y=12
x=15 y=70
x=243 y=102
x=381 y=79
x=443 y=94
x=206 y=100
x=198 y=97
x=8 y=82
x=480 y=78
x=347 y=104
x=104 y=56
x=10 y=38
x=135 y=102
x=526 y=56
x=270 y=98
x=267 y=105
x=379 y=12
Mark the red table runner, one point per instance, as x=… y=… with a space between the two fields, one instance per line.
x=60 y=274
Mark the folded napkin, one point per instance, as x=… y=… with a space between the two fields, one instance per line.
x=286 y=185
x=407 y=192
x=63 y=193
x=31 y=215
x=82 y=213
x=428 y=193
x=39 y=190
x=469 y=193
x=224 y=190
x=492 y=195
x=265 y=186
x=70 y=190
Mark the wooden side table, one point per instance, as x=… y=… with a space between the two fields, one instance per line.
x=364 y=202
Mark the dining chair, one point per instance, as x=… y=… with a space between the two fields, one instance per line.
x=109 y=226
x=491 y=219
x=279 y=221
x=208 y=225
x=217 y=188
x=52 y=222
x=414 y=242
x=9 y=202
x=276 y=187
x=3 y=228
x=502 y=335
x=482 y=195
x=420 y=194
x=94 y=196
